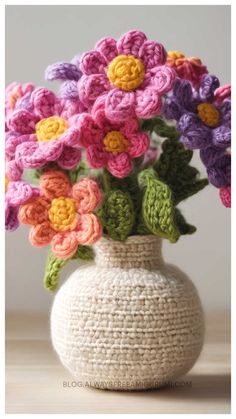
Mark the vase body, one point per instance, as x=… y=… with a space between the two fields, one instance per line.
x=128 y=320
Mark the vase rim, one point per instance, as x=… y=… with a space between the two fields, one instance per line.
x=136 y=238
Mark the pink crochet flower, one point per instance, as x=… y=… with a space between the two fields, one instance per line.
x=132 y=74
x=16 y=194
x=42 y=134
x=110 y=144
x=63 y=214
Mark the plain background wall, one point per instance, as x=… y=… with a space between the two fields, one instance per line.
x=39 y=35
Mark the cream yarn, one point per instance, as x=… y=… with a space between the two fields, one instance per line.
x=127 y=321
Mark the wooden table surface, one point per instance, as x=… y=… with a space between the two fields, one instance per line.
x=35 y=379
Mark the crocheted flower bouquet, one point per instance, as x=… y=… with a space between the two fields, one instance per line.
x=110 y=155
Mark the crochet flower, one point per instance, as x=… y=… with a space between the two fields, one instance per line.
x=132 y=74
x=190 y=68
x=204 y=124
x=62 y=214
x=112 y=145
x=42 y=134
x=16 y=194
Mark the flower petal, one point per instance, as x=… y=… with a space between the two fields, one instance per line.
x=107 y=48
x=120 y=165
x=152 y=54
x=64 y=245
x=11 y=219
x=225 y=196
x=209 y=84
x=210 y=155
x=44 y=102
x=69 y=158
x=35 y=211
x=96 y=156
x=163 y=79
x=189 y=122
x=19 y=192
x=148 y=103
x=88 y=131
x=54 y=183
x=12 y=141
x=221 y=137
x=195 y=139
x=13 y=171
x=22 y=121
x=62 y=71
x=182 y=92
x=172 y=110
x=92 y=62
x=92 y=86
x=41 y=234
x=87 y=195
x=139 y=144
x=69 y=90
x=131 y=42
x=89 y=229
x=119 y=105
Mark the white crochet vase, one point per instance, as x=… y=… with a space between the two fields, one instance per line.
x=127 y=321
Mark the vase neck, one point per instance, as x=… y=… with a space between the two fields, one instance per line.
x=136 y=252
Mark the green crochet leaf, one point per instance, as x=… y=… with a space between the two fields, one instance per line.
x=182 y=224
x=173 y=168
x=55 y=265
x=117 y=214
x=157 y=208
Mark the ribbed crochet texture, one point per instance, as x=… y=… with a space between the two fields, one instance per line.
x=129 y=321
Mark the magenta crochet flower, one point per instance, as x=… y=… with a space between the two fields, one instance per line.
x=131 y=72
x=108 y=144
x=16 y=194
x=42 y=134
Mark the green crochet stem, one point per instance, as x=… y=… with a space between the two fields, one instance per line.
x=55 y=265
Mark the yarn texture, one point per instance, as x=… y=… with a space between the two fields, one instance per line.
x=129 y=321
x=62 y=215
x=130 y=73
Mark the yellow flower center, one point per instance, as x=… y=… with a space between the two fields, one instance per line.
x=62 y=214
x=208 y=114
x=6 y=183
x=115 y=142
x=126 y=72
x=50 y=128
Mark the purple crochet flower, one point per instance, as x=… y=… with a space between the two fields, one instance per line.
x=204 y=123
x=17 y=193
x=41 y=134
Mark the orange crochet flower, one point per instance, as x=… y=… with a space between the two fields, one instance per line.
x=62 y=215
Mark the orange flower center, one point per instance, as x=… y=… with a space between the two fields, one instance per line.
x=62 y=214
x=115 y=142
x=50 y=128
x=208 y=114
x=126 y=72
